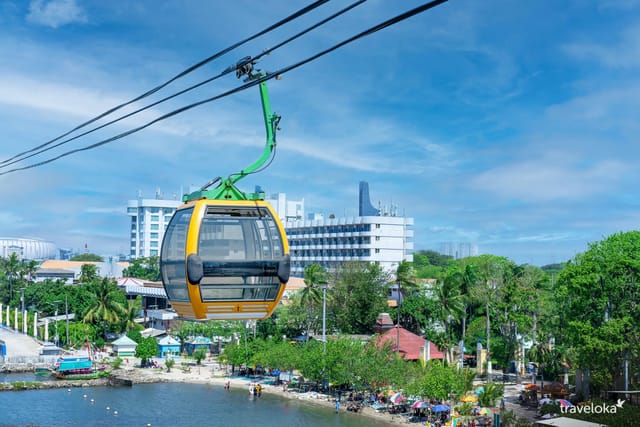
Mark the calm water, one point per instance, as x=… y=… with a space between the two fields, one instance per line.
x=164 y=404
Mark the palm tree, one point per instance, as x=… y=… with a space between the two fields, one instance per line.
x=12 y=267
x=314 y=275
x=88 y=273
x=106 y=306
x=451 y=308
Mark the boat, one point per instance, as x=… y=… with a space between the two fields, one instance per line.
x=72 y=368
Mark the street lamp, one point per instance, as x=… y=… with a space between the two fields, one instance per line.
x=57 y=337
x=324 y=319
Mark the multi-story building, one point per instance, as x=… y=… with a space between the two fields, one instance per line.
x=375 y=235
x=149 y=219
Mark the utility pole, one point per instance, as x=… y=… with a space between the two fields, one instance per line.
x=66 y=315
x=398 y=325
x=22 y=298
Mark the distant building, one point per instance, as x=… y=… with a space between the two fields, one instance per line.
x=27 y=249
x=149 y=220
x=69 y=271
x=287 y=210
x=384 y=238
x=458 y=250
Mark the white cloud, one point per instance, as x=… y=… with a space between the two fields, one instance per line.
x=55 y=13
x=623 y=53
x=545 y=180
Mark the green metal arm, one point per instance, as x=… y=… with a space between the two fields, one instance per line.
x=226 y=189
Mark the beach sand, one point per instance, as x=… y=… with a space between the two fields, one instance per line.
x=213 y=374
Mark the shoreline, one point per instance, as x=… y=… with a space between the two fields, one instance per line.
x=207 y=374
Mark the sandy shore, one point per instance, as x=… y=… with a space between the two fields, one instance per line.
x=212 y=374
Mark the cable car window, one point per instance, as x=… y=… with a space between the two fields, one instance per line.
x=246 y=243
x=172 y=263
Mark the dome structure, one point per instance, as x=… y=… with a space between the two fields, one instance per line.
x=32 y=249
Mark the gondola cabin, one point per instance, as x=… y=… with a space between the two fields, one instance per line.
x=225 y=260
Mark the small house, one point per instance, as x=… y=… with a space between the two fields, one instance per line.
x=168 y=347
x=198 y=342
x=124 y=347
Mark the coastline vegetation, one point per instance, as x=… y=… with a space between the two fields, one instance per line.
x=577 y=318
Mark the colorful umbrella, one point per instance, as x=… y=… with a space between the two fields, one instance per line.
x=396 y=398
x=564 y=403
x=420 y=404
x=440 y=408
x=485 y=411
x=469 y=398
x=545 y=400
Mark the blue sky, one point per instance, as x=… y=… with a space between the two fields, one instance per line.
x=511 y=125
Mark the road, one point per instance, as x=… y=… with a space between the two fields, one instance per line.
x=18 y=344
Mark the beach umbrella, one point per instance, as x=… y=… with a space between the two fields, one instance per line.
x=545 y=400
x=469 y=398
x=440 y=408
x=479 y=390
x=485 y=411
x=396 y=398
x=564 y=403
x=420 y=404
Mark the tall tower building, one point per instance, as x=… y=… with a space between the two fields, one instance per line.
x=149 y=220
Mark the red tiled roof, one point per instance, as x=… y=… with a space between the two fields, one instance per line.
x=410 y=344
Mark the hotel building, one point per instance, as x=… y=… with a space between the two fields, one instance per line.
x=375 y=235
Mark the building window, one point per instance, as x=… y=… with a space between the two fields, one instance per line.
x=153 y=244
x=377 y=225
x=377 y=238
x=154 y=235
x=377 y=250
x=153 y=252
x=132 y=210
x=154 y=227
x=155 y=218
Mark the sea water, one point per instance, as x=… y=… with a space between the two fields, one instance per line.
x=165 y=404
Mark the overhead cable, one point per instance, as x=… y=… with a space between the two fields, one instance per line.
x=34 y=152
x=392 y=21
x=216 y=55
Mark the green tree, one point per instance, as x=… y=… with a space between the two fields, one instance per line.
x=451 y=309
x=144 y=268
x=359 y=296
x=598 y=294
x=87 y=257
x=107 y=304
x=200 y=354
x=315 y=276
x=146 y=349
x=88 y=273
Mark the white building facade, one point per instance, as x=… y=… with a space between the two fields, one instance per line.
x=149 y=220
x=386 y=240
x=31 y=249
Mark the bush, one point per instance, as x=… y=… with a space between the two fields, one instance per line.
x=116 y=363
x=169 y=364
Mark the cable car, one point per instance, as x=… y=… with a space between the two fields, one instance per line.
x=225 y=254
x=234 y=255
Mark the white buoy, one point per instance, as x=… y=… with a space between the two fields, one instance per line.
x=91 y=401
x=68 y=390
x=115 y=413
x=84 y=396
x=108 y=409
